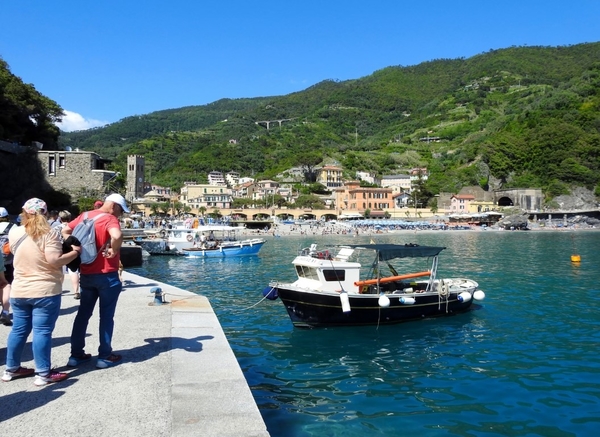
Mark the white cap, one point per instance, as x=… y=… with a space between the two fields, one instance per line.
x=3 y=212
x=118 y=199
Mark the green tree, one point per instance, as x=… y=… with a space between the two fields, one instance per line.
x=308 y=162
x=25 y=114
x=309 y=201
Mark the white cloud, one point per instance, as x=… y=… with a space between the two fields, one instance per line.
x=73 y=121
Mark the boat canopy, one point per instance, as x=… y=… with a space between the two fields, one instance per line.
x=386 y=252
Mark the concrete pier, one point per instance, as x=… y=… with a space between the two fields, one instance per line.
x=178 y=377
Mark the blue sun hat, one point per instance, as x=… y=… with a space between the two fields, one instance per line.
x=35 y=206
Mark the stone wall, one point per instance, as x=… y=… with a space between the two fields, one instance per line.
x=527 y=199
x=25 y=173
x=74 y=172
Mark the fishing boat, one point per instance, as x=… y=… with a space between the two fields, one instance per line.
x=346 y=286
x=211 y=241
x=201 y=241
x=220 y=249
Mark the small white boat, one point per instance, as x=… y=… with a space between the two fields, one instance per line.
x=336 y=288
x=222 y=249
x=210 y=240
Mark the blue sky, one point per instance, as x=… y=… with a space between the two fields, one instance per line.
x=105 y=60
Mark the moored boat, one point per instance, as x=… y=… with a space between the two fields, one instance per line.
x=222 y=249
x=340 y=287
x=211 y=241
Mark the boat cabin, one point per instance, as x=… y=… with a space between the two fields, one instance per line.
x=321 y=271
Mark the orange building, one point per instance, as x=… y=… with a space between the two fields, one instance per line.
x=356 y=199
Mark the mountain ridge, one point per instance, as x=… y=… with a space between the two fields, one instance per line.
x=520 y=116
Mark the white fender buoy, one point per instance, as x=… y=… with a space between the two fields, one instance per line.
x=464 y=296
x=407 y=300
x=345 y=301
x=479 y=295
x=383 y=301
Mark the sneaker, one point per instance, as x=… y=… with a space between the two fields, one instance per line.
x=76 y=361
x=51 y=377
x=109 y=361
x=21 y=372
x=77 y=296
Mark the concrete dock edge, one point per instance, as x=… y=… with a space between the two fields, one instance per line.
x=179 y=376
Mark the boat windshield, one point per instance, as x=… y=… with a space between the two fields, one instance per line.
x=307 y=272
x=330 y=275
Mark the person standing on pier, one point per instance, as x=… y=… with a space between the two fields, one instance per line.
x=99 y=281
x=36 y=292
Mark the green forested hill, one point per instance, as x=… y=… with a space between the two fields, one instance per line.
x=516 y=117
x=25 y=114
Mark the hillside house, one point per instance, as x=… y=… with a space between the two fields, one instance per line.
x=216 y=178
x=460 y=203
x=330 y=176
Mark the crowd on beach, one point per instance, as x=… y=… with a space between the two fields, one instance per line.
x=280 y=228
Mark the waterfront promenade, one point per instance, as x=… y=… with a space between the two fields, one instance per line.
x=179 y=376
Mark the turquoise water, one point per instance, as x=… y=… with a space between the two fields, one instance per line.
x=524 y=363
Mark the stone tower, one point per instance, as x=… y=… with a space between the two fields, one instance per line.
x=135 y=177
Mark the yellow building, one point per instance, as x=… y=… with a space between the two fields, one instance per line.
x=204 y=195
x=331 y=177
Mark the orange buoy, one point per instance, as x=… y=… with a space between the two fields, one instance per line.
x=575 y=258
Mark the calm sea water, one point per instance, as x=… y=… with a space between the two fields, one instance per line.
x=525 y=363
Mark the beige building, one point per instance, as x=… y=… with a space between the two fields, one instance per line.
x=204 y=195
x=399 y=183
x=266 y=189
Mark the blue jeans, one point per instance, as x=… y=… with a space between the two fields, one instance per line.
x=39 y=314
x=103 y=286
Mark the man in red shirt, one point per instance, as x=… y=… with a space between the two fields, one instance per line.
x=99 y=280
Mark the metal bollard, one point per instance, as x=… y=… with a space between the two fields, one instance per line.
x=158 y=295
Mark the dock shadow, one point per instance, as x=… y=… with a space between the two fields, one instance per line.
x=152 y=348
x=21 y=402
x=68 y=310
x=157 y=345
x=130 y=284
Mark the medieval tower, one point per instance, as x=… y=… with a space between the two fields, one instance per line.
x=135 y=177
